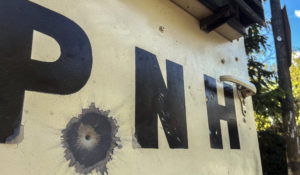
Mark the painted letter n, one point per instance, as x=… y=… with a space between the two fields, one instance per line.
x=154 y=98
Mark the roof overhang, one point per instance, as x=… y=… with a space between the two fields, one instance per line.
x=229 y=18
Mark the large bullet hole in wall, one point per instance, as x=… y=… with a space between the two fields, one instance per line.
x=89 y=140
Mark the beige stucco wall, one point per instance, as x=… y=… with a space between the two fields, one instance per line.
x=115 y=28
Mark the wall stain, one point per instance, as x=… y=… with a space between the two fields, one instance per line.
x=89 y=140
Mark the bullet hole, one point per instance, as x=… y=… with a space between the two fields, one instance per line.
x=223 y=61
x=89 y=140
x=161 y=29
x=236 y=59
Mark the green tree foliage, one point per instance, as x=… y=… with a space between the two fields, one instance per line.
x=255 y=42
x=295 y=78
x=273 y=153
x=266 y=102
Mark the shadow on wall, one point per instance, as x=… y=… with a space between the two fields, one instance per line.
x=18 y=20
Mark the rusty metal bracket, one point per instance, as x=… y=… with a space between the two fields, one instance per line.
x=244 y=89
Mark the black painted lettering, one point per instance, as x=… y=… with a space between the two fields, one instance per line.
x=154 y=98
x=18 y=72
x=217 y=112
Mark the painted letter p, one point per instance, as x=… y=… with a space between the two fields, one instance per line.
x=18 y=72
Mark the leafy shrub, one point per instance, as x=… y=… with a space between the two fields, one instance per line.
x=272 y=152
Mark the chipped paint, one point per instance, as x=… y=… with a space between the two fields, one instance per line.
x=298 y=145
x=18 y=137
x=89 y=140
x=135 y=143
x=292 y=134
x=115 y=28
x=290 y=118
x=292 y=131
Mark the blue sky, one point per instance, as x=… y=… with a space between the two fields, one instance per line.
x=293 y=8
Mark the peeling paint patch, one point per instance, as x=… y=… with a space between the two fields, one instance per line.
x=298 y=145
x=89 y=140
x=18 y=137
x=292 y=134
x=135 y=143
x=290 y=118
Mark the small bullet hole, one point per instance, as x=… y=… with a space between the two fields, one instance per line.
x=87 y=137
x=222 y=61
x=236 y=59
x=161 y=28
